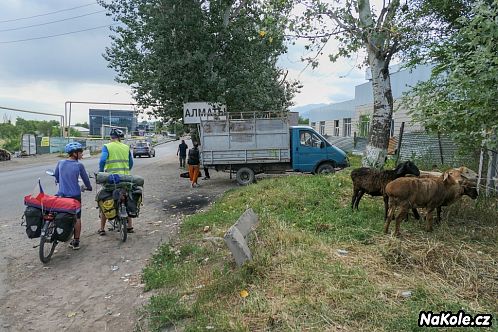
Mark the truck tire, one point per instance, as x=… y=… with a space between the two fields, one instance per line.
x=245 y=176
x=325 y=168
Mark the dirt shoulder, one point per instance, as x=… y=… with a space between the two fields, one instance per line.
x=99 y=288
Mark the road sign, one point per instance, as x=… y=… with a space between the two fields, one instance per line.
x=193 y=112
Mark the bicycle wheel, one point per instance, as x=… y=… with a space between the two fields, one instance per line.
x=123 y=228
x=47 y=246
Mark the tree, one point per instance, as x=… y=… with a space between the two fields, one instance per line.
x=176 y=51
x=461 y=98
x=304 y=121
x=391 y=31
x=84 y=125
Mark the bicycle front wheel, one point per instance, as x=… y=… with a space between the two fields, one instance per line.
x=123 y=228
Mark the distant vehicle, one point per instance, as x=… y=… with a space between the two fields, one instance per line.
x=4 y=155
x=173 y=135
x=143 y=149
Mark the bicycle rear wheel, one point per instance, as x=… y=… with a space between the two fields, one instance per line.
x=47 y=245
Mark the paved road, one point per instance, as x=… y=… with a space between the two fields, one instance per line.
x=15 y=184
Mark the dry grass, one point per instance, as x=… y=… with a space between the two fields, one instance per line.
x=298 y=281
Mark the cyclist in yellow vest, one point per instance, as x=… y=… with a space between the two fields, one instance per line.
x=116 y=158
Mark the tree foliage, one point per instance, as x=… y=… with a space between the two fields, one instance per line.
x=10 y=134
x=461 y=98
x=176 y=51
x=384 y=34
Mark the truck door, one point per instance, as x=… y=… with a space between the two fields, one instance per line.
x=307 y=150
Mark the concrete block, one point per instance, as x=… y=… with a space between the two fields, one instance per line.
x=247 y=222
x=237 y=245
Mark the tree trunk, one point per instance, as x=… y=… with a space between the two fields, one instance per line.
x=378 y=140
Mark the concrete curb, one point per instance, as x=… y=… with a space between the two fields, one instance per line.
x=236 y=237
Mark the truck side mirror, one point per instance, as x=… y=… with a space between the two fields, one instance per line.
x=322 y=144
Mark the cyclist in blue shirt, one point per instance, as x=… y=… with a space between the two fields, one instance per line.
x=66 y=175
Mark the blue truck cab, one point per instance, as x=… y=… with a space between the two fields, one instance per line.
x=311 y=152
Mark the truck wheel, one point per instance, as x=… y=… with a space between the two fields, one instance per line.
x=325 y=168
x=245 y=176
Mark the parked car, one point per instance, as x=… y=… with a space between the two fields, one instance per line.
x=143 y=149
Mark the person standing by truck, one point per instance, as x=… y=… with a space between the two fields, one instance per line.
x=193 y=165
x=182 y=153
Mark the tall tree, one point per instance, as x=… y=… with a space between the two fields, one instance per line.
x=383 y=34
x=176 y=51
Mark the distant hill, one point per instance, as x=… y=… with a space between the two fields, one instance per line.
x=304 y=110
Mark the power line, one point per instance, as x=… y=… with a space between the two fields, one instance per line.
x=51 y=22
x=60 y=34
x=50 y=13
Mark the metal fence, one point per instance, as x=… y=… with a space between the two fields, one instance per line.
x=432 y=152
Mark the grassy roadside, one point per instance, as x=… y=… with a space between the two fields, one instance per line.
x=299 y=281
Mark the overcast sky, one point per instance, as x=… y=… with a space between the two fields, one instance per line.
x=42 y=74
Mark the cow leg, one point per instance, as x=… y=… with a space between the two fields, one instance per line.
x=360 y=195
x=438 y=214
x=403 y=213
x=390 y=216
x=386 y=206
x=355 y=195
x=429 y=220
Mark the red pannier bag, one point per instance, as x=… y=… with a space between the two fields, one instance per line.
x=53 y=203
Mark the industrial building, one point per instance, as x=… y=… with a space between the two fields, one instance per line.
x=345 y=119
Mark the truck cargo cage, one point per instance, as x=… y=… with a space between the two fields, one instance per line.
x=245 y=137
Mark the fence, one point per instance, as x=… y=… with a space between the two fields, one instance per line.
x=431 y=151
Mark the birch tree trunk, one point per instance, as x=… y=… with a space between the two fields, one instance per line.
x=378 y=139
x=378 y=59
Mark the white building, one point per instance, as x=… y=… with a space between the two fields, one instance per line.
x=346 y=118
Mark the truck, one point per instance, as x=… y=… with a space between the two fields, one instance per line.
x=263 y=142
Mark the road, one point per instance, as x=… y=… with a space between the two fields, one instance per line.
x=97 y=288
x=17 y=183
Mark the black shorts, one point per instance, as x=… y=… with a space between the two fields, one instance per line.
x=78 y=198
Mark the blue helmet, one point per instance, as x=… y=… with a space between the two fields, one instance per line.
x=116 y=133
x=73 y=147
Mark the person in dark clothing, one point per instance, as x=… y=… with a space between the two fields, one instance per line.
x=206 y=174
x=193 y=162
x=182 y=153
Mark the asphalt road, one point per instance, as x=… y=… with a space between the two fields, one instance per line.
x=16 y=184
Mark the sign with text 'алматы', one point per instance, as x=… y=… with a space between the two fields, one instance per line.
x=193 y=112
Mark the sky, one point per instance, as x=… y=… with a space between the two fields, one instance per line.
x=41 y=74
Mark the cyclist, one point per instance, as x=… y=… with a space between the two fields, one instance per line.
x=116 y=158
x=66 y=175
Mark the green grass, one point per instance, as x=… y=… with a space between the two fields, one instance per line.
x=297 y=281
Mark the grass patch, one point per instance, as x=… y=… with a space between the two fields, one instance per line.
x=298 y=281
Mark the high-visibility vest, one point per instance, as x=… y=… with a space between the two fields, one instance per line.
x=118 y=160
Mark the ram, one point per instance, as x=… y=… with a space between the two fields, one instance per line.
x=373 y=182
x=468 y=183
x=429 y=193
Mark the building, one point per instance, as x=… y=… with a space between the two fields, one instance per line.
x=100 y=119
x=82 y=130
x=346 y=118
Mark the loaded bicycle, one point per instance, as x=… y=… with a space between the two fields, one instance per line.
x=120 y=198
x=50 y=218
